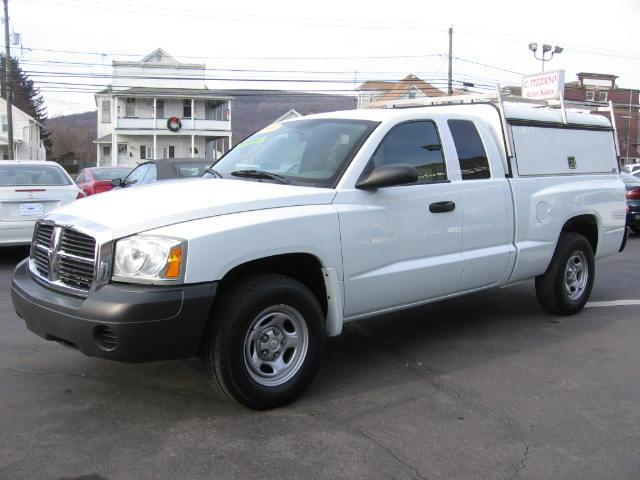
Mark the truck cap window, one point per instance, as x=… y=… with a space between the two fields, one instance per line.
x=313 y=152
x=474 y=164
x=414 y=143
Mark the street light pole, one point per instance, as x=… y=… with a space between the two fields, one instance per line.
x=7 y=83
x=545 y=49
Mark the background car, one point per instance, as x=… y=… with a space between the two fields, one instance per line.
x=633 y=168
x=632 y=182
x=164 y=169
x=29 y=190
x=98 y=179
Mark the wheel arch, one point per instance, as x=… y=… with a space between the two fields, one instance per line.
x=585 y=224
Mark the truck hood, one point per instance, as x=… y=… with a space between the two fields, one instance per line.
x=145 y=207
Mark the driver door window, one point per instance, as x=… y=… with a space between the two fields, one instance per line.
x=413 y=143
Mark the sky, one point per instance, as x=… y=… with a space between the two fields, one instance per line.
x=332 y=46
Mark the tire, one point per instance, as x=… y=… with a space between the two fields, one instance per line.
x=566 y=285
x=636 y=230
x=251 y=353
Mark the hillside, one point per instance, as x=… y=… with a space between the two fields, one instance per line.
x=73 y=136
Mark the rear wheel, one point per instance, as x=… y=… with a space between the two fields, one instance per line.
x=636 y=230
x=266 y=341
x=566 y=285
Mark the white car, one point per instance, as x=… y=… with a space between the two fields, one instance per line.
x=323 y=220
x=28 y=191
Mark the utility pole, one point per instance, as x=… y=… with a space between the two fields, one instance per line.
x=7 y=83
x=450 y=78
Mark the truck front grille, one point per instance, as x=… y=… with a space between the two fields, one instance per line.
x=64 y=257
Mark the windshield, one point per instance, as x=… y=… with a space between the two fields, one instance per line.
x=110 y=173
x=195 y=169
x=311 y=152
x=33 y=175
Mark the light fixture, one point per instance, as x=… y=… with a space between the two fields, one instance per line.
x=546 y=48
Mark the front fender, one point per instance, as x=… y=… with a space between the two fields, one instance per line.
x=219 y=244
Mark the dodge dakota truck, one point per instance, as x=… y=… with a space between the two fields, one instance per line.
x=327 y=219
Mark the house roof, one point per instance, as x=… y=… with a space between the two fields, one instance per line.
x=407 y=83
x=166 y=92
x=375 y=85
x=159 y=52
x=168 y=61
x=290 y=114
x=105 y=139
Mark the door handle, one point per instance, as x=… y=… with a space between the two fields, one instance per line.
x=442 y=207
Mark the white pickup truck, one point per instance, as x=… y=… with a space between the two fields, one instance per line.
x=315 y=222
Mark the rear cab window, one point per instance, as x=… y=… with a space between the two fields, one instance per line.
x=474 y=164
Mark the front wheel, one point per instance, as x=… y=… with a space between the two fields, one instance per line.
x=266 y=341
x=566 y=285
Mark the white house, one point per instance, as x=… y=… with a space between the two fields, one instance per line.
x=160 y=108
x=26 y=135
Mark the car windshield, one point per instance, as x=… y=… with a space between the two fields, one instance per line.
x=195 y=169
x=311 y=152
x=110 y=173
x=32 y=175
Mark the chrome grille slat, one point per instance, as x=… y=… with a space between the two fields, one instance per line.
x=73 y=252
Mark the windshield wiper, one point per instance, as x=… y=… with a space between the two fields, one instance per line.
x=214 y=172
x=260 y=174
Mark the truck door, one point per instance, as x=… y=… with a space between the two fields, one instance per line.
x=398 y=249
x=486 y=206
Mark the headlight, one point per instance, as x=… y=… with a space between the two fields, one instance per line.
x=146 y=257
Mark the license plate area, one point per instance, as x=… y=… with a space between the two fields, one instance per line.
x=31 y=209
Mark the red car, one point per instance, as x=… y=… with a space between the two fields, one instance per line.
x=98 y=179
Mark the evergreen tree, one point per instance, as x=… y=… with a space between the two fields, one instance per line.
x=26 y=96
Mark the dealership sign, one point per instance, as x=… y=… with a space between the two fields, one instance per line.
x=543 y=85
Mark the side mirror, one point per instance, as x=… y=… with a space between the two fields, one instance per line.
x=388 y=176
x=117 y=182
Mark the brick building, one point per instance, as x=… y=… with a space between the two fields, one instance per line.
x=595 y=90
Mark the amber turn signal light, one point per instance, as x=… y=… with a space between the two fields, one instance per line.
x=175 y=262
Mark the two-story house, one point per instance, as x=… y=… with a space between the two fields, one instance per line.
x=374 y=93
x=27 y=144
x=160 y=108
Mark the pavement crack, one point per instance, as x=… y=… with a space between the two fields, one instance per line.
x=361 y=431
x=523 y=461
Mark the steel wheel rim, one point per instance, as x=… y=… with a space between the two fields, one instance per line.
x=276 y=345
x=576 y=275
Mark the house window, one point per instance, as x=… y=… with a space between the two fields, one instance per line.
x=602 y=96
x=591 y=95
x=171 y=151
x=159 y=108
x=186 y=109
x=143 y=152
x=5 y=124
x=130 y=108
x=106 y=111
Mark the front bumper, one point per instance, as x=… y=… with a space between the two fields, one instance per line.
x=124 y=322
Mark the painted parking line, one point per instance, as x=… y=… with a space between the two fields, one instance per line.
x=613 y=303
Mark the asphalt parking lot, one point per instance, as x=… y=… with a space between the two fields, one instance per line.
x=483 y=387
